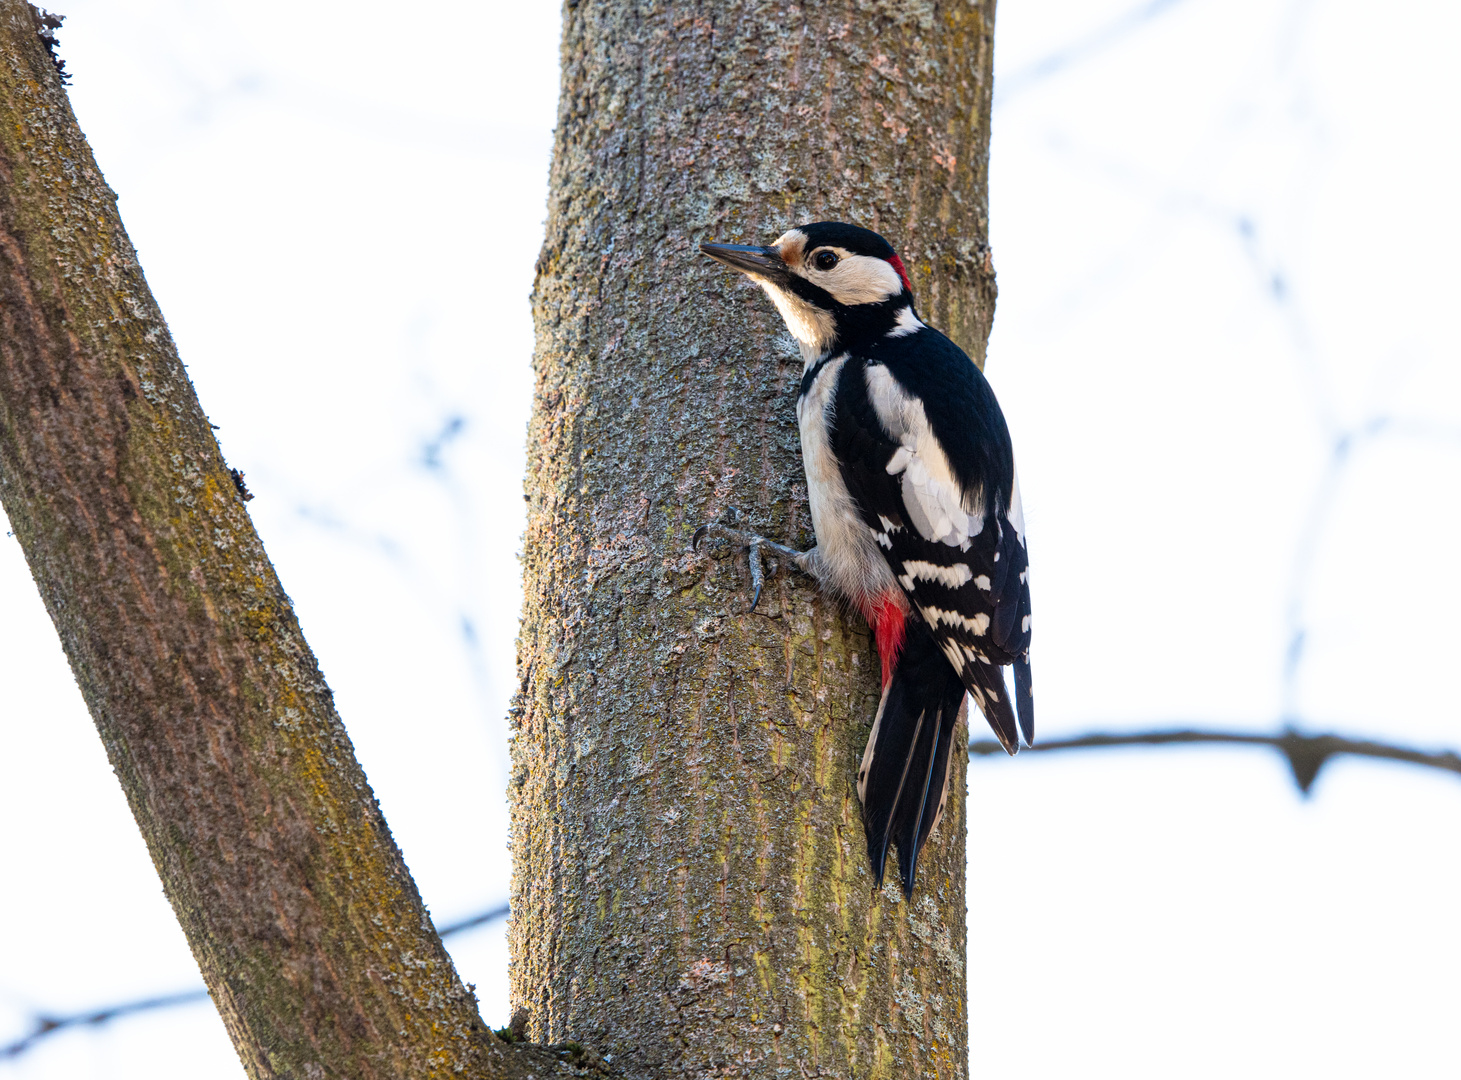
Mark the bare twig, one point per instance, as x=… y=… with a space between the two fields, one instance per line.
x=1306 y=754
x=42 y=1025
x=502 y=911
x=49 y=1025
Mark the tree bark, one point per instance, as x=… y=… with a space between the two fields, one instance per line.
x=297 y=905
x=691 y=888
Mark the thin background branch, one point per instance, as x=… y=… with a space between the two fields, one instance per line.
x=1306 y=754
x=43 y=1025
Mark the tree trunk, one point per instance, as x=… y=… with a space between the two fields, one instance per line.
x=299 y=909
x=691 y=887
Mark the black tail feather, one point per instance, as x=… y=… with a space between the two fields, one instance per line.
x=906 y=766
x=1025 y=698
x=986 y=684
x=880 y=807
x=913 y=828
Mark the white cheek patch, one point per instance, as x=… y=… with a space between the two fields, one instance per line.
x=859 y=279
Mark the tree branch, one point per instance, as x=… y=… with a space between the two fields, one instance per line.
x=1306 y=754
x=44 y=1026
x=298 y=907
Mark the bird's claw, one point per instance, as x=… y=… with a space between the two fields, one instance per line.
x=753 y=546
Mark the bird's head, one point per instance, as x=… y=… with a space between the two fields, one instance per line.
x=836 y=285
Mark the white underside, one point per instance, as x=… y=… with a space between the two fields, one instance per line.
x=847 y=556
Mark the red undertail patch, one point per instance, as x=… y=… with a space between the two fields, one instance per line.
x=898 y=266
x=886 y=616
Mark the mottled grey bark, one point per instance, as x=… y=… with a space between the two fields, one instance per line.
x=691 y=889
x=299 y=909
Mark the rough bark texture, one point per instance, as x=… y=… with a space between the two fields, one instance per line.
x=691 y=890
x=299 y=909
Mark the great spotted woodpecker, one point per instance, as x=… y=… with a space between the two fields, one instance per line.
x=916 y=507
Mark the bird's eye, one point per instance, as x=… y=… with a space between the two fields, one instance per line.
x=825 y=260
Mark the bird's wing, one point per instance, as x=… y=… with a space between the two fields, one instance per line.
x=961 y=562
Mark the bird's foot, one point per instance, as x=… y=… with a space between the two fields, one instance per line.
x=754 y=546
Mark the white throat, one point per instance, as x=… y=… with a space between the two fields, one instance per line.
x=814 y=329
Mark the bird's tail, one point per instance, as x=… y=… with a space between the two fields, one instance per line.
x=905 y=769
x=987 y=686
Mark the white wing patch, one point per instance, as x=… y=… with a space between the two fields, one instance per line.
x=949 y=576
x=934 y=504
x=976 y=626
x=931 y=494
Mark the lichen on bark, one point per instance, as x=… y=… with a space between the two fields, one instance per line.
x=691 y=888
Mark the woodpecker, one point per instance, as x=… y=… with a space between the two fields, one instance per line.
x=916 y=508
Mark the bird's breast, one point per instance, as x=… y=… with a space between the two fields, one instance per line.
x=847 y=554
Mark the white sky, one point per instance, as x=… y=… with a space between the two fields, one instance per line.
x=1226 y=246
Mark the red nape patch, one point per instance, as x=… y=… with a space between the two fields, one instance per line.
x=898 y=266
x=886 y=616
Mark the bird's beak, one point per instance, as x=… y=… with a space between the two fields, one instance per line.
x=761 y=262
